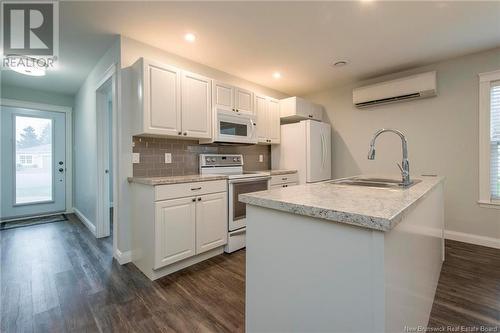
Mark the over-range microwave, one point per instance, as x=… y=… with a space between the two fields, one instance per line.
x=233 y=128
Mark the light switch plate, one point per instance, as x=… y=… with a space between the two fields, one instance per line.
x=168 y=158
x=136 y=158
x=261 y=158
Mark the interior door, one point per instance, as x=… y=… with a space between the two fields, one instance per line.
x=33 y=162
x=318 y=151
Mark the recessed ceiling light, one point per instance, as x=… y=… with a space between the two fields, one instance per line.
x=27 y=65
x=190 y=37
x=340 y=63
x=277 y=75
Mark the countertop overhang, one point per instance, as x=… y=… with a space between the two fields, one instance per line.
x=369 y=207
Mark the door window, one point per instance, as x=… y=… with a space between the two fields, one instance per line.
x=33 y=150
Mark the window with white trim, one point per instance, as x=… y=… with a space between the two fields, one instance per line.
x=495 y=140
x=489 y=138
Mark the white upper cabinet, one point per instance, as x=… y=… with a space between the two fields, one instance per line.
x=169 y=101
x=232 y=98
x=223 y=96
x=158 y=106
x=243 y=101
x=268 y=119
x=294 y=109
x=195 y=105
x=262 y=118
x=274 y=125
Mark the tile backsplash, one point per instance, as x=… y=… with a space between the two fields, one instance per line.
x=185 y=156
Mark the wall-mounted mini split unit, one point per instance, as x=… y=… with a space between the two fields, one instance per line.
x=404 y=89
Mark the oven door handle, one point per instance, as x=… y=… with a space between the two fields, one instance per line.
x=248 y=180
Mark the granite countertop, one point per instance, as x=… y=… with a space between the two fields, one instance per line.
x=369 y=207
x=279 y=172
x=174 y=179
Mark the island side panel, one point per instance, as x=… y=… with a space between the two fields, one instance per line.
x=413 y=257
x=305 y=274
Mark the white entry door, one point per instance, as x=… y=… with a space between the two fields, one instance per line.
x=33 y=162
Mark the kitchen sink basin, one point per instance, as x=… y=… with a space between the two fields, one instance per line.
x=374 y=182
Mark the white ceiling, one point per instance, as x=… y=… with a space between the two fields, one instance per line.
x=253 y=39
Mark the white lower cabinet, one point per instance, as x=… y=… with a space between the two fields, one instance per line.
x=211 y=210
x=285 y=180
x=175 y=226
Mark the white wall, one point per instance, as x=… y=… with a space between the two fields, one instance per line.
x=85 y=136
x=36 y=96
x=442 y=134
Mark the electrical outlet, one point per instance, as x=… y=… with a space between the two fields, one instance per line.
x=261 y=158
x=136 y=158
x=168 y=158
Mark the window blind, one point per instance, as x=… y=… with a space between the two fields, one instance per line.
x=495 y=140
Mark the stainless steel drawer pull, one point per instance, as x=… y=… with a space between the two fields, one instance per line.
x=196 y=189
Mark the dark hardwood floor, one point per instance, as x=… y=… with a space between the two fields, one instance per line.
x=58 y=278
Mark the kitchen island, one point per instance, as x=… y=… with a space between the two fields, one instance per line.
x=340 y=258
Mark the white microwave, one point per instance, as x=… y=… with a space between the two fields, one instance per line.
x=231 y=127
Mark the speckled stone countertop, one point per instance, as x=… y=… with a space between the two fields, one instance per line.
x=369 y=207
x=280 y=172
x=174 y=179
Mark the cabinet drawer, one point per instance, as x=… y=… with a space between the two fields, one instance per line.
x=283 y=179
x=172 y=191
x=283 y=185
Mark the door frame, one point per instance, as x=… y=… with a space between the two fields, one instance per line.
x=14 y=103
x=109 y=79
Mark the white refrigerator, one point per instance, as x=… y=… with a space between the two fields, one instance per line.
x=307 y=147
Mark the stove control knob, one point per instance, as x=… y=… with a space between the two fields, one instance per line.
x=207 y=159
x=235 y=159
x=213 y=159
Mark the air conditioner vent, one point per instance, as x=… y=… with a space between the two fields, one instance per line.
x=403 y=89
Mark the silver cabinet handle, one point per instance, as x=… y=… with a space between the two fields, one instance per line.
x=199 y=199
x=193 y=200
x=196 y=188
x=284 y=178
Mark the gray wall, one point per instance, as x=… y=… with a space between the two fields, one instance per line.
x=442 y=134
x=36 y=96
x=85 y=137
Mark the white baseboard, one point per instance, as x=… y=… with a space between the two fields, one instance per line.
x=85 y=221
x=472 y=239
x=123 y=257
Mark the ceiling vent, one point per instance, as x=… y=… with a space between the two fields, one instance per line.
x=404 y=89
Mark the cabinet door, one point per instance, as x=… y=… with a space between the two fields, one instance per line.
x=196 y=110
x=273 y=122
x=223 y=96
x=175 y=222
x=211 y=221
x=261 y=109
x=243 y=101
x=162 y=99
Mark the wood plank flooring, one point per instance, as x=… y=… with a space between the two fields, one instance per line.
x=58 y=278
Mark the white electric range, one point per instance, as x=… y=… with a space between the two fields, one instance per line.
x=239 y=182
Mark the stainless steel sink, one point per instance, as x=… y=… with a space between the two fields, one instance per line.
x=374 y=182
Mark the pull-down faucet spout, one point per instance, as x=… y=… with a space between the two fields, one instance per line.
x=405 y=165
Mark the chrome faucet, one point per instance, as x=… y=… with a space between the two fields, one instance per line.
x=405 y=165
